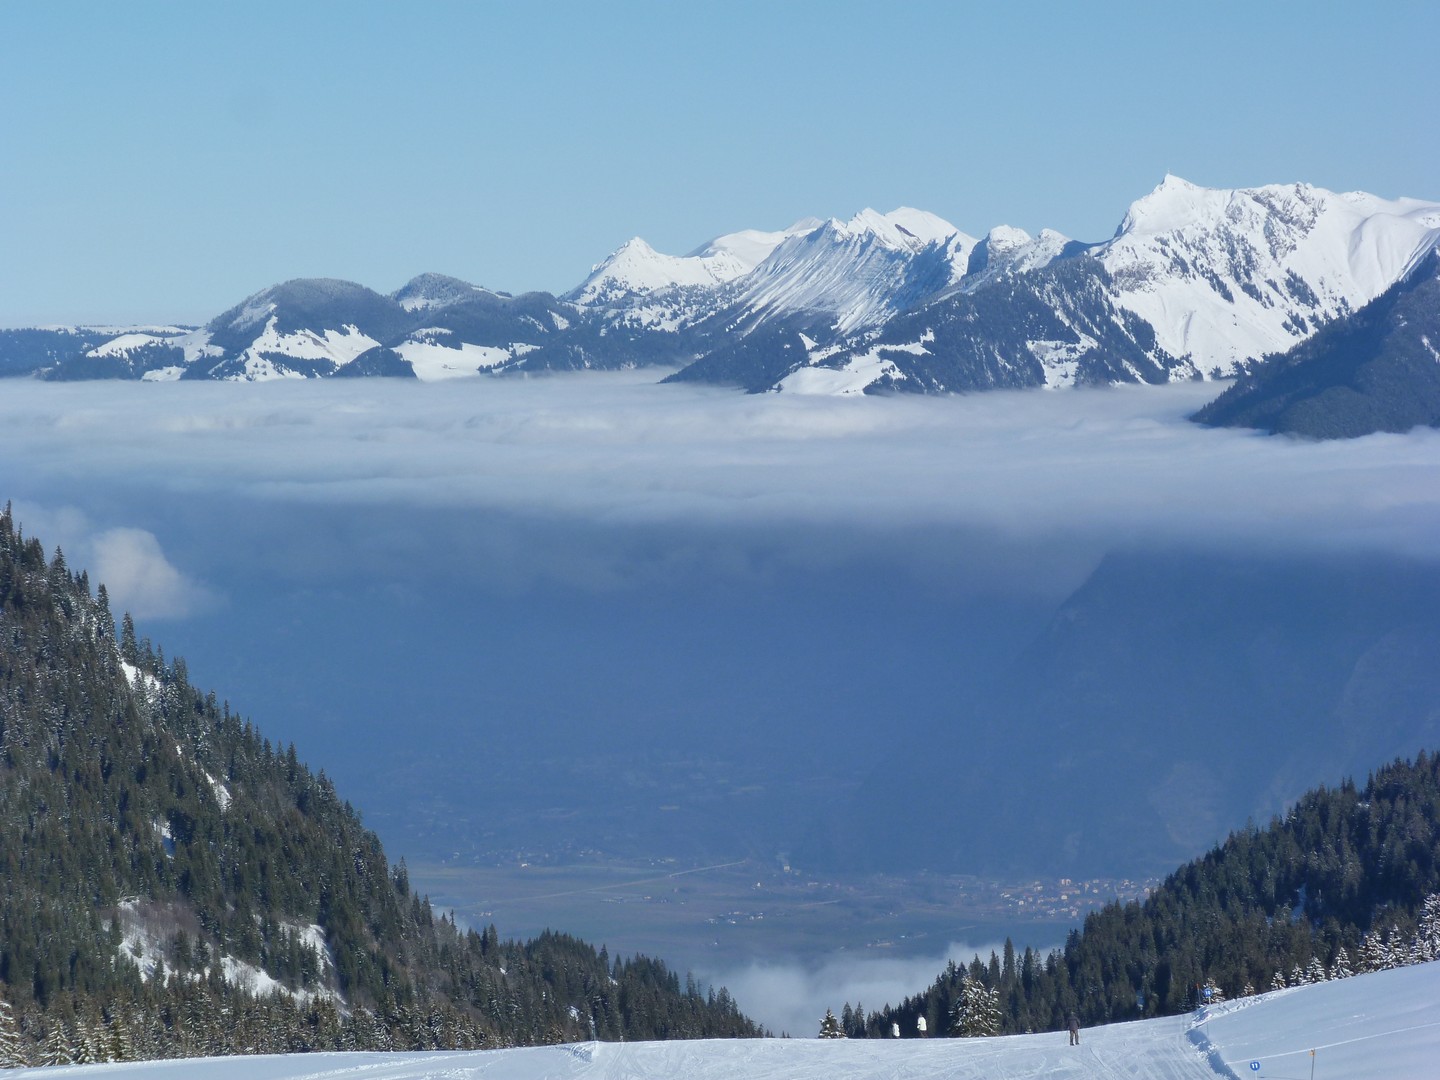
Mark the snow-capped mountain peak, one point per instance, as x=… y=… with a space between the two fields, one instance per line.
x=1173 y=202
x=636 y=268
x=926 y=227
x=856 y=273
x=904 y=229
x=1226 y=275
x=1004 y=239
x=751 y=247
x=1009 y=250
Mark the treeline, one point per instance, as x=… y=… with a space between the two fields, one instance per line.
x=170 y=876
x=1345 y=882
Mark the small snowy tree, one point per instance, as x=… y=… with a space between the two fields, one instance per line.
x=56 y=1050
x=1372 y=952
x=977 y=1013
x=830 y=1027
x=1341 y=969
x=1277 y=981
x=1315 y=971
x=12 y=1049
x=1427 y=933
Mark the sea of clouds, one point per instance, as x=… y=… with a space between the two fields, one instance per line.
x=606 y=481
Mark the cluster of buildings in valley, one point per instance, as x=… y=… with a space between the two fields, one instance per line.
x=1064 y=898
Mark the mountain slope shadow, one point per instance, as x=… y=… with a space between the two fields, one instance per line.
x=1173 y=697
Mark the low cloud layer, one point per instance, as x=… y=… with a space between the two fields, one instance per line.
x=792 y=997
x=678 y=480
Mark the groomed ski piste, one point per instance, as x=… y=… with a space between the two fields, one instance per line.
x=1383 y=1025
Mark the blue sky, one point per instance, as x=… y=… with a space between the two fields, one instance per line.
x=162 y=161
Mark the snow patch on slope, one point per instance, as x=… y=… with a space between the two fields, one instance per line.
x=433 y=362
x=854 y=376
x=265 y=358
x=147 y=931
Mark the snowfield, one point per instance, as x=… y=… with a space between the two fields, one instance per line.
x=1370 y=1026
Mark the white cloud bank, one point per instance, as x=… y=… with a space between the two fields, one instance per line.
x=1017 y=483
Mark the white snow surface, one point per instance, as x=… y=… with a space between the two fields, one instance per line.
x=193 y=343
x=433 y=362
x=1182 y=248
x=1381 y=1025
x=125 y=344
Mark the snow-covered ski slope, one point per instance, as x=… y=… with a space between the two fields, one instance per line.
x=1371 y=1026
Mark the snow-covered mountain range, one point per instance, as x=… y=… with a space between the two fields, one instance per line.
x=1195 y=283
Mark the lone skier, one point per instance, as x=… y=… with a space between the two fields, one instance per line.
x=1074 y=1030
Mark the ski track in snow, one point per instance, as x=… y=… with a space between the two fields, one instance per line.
x=1367 y=1027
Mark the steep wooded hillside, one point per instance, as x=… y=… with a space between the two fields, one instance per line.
x=175 y=883
x=1346 y=881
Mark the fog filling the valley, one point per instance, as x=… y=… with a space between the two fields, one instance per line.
x=504 y=589
x=1030 y=486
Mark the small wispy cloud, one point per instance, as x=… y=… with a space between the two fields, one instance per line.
x=140 y=579
x=130 y=562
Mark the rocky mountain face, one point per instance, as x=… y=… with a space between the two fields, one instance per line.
x=1196 y=283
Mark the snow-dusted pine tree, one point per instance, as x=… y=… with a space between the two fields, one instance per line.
x=56 y=1049
x=1372 y=952
x=1427 y=933
x=977 y=1013
x=12 y=1049
x=830 y=1027
x=1341 y=968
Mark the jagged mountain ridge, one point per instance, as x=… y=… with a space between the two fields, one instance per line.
x=1196 y=283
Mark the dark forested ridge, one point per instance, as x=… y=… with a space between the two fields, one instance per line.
x=1378 y=370
x=1345 y=882
x=173 y=883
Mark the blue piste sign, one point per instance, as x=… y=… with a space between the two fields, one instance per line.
x=1254 y=1066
